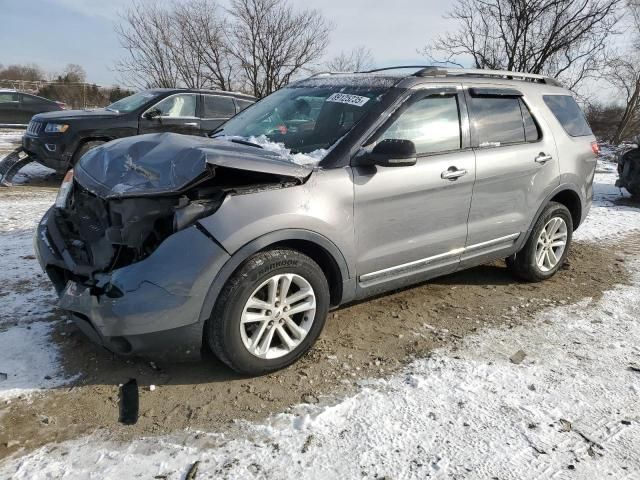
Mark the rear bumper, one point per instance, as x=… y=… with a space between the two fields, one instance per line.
x=156 y=310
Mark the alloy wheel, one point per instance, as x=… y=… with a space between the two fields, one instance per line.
x=278 y=316
x=551 y=244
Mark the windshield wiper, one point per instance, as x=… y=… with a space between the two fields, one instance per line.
x=111 y=109
x=218 y=130
x=245 y=142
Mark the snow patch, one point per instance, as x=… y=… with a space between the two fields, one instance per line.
x=10 y=139
x=311 y=158
x=27 y=300
x=608 y=218
x=29 y=360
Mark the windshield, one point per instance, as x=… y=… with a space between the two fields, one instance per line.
x=132 y=102
x=306 y=119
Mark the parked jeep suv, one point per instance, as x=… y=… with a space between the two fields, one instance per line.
x=58 y=139
x=333 y=189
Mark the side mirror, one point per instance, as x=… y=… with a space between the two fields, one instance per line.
x=391 y=153
x=153 y=113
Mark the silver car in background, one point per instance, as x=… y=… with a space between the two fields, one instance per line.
x=333 y=189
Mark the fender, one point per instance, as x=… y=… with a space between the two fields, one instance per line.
x=260 y=243
x=560 y=188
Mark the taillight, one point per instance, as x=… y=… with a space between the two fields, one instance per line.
x=595 y=148
x=65 y=190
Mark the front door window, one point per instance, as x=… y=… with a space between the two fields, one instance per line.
x=177 y=106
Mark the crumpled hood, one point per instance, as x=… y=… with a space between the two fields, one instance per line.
x=166 y=163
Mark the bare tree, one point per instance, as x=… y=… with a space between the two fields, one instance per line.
x=30 y=72
x=272 y=43
x=145 y=33
x=357 y=60
x=200 y=52
x=566 y=39
x=623 y=73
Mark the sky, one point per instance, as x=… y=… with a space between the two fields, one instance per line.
x=53 y=33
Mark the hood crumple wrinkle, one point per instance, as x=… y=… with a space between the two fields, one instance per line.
x=164 y=163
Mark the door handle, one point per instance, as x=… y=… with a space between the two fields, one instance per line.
x=543 y=158
x=191 y=124
x=453 y=173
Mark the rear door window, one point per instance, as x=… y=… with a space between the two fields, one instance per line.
x=432 y=124
x=218 y=107
x=497 y=120
x=569 y=114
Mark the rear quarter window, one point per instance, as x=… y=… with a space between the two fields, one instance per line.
x=569 y=114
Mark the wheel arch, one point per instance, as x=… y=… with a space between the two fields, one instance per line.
x=314 y=245
x=567 y=195
x=570 y=199
x=84 y=141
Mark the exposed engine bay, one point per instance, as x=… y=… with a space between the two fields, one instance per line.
x=101 y=226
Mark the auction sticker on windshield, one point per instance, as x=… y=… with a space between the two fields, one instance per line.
x=356 y=100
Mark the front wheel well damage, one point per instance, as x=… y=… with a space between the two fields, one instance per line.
x=323 y=258
x=571 y=200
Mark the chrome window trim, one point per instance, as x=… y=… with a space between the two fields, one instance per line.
x=425 y=261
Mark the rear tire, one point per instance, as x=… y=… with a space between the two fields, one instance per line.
x=253 y=328
x=547 y=246
x=85 y=148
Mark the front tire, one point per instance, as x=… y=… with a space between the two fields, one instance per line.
x=547 y=246
x=270 y=312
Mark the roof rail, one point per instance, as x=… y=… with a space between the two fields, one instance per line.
x=328 y=72
x=395 y=68
x=432 y=71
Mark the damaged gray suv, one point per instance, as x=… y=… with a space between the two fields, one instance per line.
x=333 y=189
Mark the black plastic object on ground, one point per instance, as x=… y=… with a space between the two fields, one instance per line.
x=629 y=172
x=129 y=402
x=11 y=164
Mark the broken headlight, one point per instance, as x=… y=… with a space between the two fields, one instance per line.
x=192 y=211
x=65 y=190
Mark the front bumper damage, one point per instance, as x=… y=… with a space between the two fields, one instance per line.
x=151 y=308
x=123 y=245
x=52 y=151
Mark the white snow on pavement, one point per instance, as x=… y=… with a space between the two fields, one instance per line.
x=608 y=217
x=28 y=360
x=27 y=299
x=10 y=139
